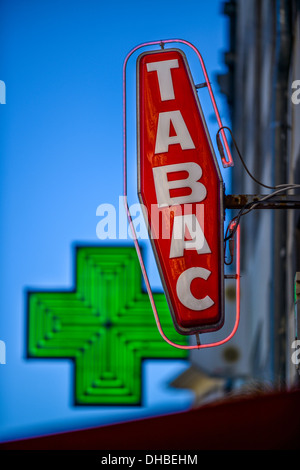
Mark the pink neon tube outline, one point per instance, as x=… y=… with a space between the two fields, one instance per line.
x=138 y=250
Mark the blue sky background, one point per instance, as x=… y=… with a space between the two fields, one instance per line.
x=60 y=158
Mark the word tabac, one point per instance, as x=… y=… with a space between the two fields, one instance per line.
x=180 y=185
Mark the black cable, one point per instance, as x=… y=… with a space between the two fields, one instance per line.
x=252 y=204
x=221 y=150
x=249 y=206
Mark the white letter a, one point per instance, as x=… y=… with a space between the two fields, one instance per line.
x=163 y=138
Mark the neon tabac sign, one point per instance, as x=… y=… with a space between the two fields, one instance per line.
x=180 y=189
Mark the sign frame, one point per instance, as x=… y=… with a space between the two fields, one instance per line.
x=227 y=161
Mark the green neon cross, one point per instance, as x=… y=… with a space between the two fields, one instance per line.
x=106 y=326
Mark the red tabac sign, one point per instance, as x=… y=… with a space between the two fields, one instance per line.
x=181 y=191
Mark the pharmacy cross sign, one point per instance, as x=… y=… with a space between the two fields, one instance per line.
x=105 y=325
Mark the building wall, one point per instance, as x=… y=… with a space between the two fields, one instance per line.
x=263 y=60
x=265 y=126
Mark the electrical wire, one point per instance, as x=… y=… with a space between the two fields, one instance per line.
x=233 y=224
x=250 y=206
x=221 y=150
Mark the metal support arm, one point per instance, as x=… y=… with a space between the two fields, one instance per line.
x=238 y=201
